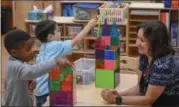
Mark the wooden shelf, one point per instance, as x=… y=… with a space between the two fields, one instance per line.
x=67 y=37
x=78 y=51
x=123 y=54
x=175 y=9
x=146 y=6
x=133 y=26
x=132 y=45
x=123 y=39
x=82 y=1
x=175 y=47
x=137 y=20
x=90 y=37
x=132 y=32
x=89 y=51
x=132 y=38
x=32 y=35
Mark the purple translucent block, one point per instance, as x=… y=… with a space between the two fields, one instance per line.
x=61 y=95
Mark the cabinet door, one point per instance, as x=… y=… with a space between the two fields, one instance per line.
x=20 y=10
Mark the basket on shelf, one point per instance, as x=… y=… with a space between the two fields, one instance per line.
x=74 y=30
x=113 y=14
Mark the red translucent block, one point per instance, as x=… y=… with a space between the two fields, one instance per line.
x=106 y=39
x=99 y=43
x=66 y=86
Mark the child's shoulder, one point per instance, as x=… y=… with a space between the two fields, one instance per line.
x=13 y=63
x=52 y=44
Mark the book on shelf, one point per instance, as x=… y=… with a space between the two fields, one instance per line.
x=165 y=18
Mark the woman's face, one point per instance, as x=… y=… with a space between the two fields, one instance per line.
x=141 y=42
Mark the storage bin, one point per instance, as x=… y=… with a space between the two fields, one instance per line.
x=84 y=11
x=84 y=71
x=74 y=30
x=113 y=14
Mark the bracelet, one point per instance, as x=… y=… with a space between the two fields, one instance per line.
x=118 y=100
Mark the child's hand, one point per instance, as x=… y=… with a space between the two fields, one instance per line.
x=31 y=85
x=92 y=23
x=63 y=62
x=109 y=95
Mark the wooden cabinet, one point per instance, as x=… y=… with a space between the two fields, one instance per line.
x=21 y=8
x=139 y=12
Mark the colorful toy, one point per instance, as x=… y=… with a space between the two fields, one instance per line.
x=107 y=58
x=61 y=87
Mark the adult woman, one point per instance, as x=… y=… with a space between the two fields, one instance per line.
x=159 y=77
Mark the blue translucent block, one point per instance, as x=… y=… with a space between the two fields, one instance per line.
x=109 y=54
x=99 y=54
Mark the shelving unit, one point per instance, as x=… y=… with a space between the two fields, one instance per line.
x=139 y=12
x=85 y=51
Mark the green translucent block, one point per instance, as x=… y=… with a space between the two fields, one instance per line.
x=105 y=79
x=66 y=69
x=54 y=85
x=114 y=40
x=62 y=77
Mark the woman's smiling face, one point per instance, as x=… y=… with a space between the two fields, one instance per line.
x=142 y=43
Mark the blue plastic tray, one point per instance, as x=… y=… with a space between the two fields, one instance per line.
x=86 y=5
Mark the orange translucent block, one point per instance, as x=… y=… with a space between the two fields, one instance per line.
x=99 y=64
x=68 y=77
x=54 y=74
x=113 y=47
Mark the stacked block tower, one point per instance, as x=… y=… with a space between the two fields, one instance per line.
x=62 y=92
x=107 y=57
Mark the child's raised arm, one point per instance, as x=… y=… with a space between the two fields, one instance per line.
x=29 y=72
x=84 y=32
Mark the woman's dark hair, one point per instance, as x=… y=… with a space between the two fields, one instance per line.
x=158 y=36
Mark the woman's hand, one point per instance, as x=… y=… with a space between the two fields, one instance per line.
x=109 y=95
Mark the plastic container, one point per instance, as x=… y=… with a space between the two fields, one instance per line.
x=84 y=11
x=74 y=30
x=113 y=14
x=84 y=71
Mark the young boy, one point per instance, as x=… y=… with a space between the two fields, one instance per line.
x=52 y=47
x=19 y=45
